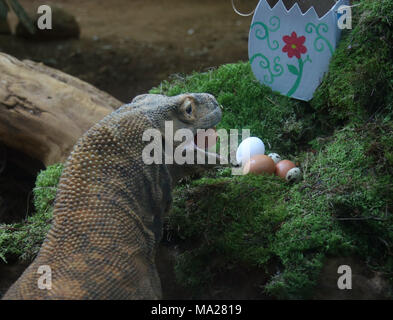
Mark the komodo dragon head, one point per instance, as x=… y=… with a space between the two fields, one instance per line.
x=187 y=111
x=190 y=111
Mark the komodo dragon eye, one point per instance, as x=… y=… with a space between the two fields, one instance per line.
x=187 y=110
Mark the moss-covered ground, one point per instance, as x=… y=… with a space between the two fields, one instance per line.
x=343 y=140
x=23 y=240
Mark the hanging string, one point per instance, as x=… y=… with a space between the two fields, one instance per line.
x=252 y=12
x=240 y=13
x=352 y=6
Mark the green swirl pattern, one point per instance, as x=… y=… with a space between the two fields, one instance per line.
x=264 y=32
x=320 y=39
x=265 y=64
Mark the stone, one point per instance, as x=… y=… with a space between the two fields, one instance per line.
x=64 y=26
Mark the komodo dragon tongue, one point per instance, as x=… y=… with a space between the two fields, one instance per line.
x=107 y=216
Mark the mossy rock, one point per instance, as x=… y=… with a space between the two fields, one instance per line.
x=341 y=208
x=359 y=84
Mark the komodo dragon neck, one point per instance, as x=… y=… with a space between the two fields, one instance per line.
x=107 y=218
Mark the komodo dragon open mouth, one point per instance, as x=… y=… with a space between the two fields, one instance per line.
x=206 y=136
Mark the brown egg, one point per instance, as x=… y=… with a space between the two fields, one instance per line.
x=283 y=167
x=259 y=164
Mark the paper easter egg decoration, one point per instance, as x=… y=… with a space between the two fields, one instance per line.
x=290 y=51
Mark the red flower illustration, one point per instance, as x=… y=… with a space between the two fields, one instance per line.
x=294 y=45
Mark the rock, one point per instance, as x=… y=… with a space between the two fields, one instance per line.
x=44 y=111
x=64 y=25
x=4 y=27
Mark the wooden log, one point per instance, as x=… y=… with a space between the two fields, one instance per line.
x=43 y=111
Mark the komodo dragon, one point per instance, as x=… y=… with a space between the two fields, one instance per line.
x=109 y=205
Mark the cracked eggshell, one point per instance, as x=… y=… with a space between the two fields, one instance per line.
x=249 y=147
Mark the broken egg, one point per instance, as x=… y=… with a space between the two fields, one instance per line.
x=259 y=164
x=249 y=147
x=283 y=167
x=294 y=175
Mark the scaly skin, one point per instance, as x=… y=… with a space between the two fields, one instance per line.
x=109 y=205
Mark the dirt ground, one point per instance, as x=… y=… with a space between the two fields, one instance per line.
x=128 y=46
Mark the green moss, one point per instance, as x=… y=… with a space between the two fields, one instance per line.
x=340 y=208
x=226 y=221
x=360 y=79
x=23 y=240
x=46 y=187
x=284 y=124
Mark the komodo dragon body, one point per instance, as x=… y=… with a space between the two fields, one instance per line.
x=109 y=205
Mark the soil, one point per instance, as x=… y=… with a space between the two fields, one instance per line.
x=128 y=46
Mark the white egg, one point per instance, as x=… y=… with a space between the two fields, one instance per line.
x=294 y=175
x=276 y=158
x=249 y=147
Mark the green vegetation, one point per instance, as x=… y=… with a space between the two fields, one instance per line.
x=359 y=84
x=343 y=205
x=231 y=220
x=23 y=240
x=340 y=208
x=343 y=140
